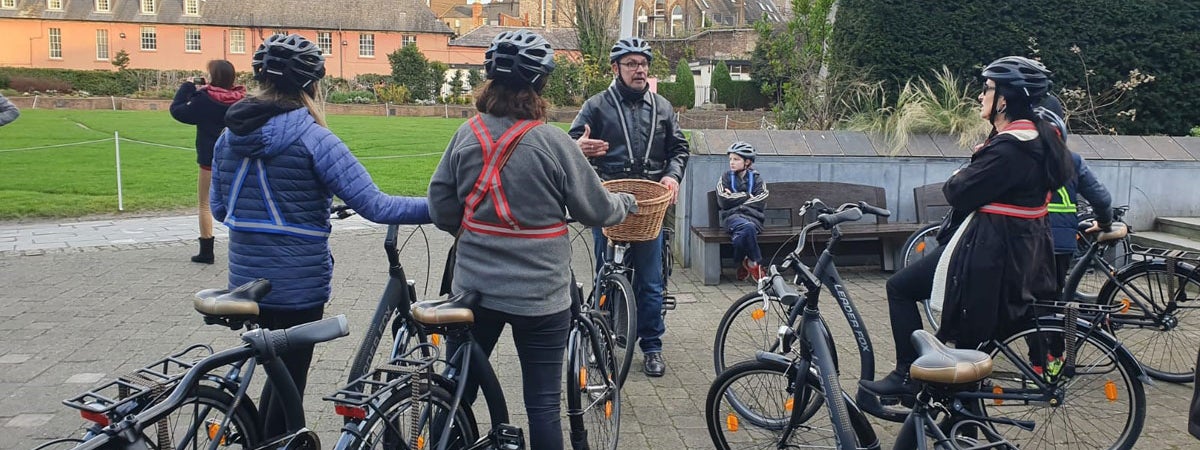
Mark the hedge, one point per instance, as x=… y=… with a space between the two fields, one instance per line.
x=892 y=41
x=95 y=82
x=744 y=95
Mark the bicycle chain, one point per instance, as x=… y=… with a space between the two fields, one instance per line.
x=1072 y=326
x=156 y=390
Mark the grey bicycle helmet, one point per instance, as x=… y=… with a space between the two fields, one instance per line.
x=630 y=46
x=1051 y=111
x=521 y=56
x=290 y=61
x=743 y=149
x=1021 y=73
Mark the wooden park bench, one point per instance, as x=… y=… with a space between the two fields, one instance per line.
x=782 y=222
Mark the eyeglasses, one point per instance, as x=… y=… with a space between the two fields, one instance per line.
x=635 y=65
x=987 y=89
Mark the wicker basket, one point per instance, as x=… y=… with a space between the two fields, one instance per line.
x=645 y=225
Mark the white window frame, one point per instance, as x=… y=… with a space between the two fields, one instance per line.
x=408 y=39
x=8 y=4
x=148 y=35
x=149 y=7
x=54 y=5
x=237 y=41
x=101 y=44
x=103 y=6
x=191 y=7
x=55 y=43
x=191 y=36
x=325 y=42
x=366 y=45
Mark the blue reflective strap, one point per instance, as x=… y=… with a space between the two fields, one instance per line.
x=276 y=224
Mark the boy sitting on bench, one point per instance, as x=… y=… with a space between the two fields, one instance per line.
x=742 y=195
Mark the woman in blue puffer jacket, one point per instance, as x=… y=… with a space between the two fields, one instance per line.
x=275 y=172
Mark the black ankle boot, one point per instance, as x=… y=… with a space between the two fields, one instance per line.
x=894 y=384
x=206 y=251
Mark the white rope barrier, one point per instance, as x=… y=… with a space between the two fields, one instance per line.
x=158 y=145
x=419 y=155
x=6 y=150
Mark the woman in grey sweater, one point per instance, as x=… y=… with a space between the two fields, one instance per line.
x=504 y=186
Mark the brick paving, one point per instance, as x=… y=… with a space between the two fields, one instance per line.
x=86 y=301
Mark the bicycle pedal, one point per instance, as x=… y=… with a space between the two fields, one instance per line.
x=508 y=437
x=668 y=303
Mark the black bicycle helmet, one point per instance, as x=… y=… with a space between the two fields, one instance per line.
x=1051 y=111
x=630 y=46
x=289 y=61
x=520 y=55
x=1022 y=73
x=743 y=149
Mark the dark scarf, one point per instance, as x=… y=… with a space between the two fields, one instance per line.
x=628 y=94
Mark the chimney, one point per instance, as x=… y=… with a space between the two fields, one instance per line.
x=476 y=10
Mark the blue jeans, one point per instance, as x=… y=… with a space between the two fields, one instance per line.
x=648 y=286
x=744 y=233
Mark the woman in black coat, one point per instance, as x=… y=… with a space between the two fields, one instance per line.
x=203 y=103
x=997 y=254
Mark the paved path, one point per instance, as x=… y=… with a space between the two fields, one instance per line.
x=83 y=302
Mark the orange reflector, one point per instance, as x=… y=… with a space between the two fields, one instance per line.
x=1125 y=305
x=436 y=339
x=997 y=390
x=920 y=247
x=213 y=428
x=1110 y=391
x=351 y=412
x=603 y=298
x=731 y=422
x=582 y=378
x=758 y=314
x=789 y=404
x=608 y=409
x=95 y=417
x=420 y=442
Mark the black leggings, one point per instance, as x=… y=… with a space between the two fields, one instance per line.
x=541 y=343
x=905 y=288
x=297 y=361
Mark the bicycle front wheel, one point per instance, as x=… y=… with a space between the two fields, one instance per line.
x=1102 y=405
x=593 y=397
x=751 y=324
x=408 y=421
x=1161 y=327
x=620 y=311
x=750 y=406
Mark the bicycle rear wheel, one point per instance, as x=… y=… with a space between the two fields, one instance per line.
x=198 y=420
x=619 y=308
x=920 y=243
x=1163 y=332
x=404 y=422
x=1101 y=406
x=593 y=397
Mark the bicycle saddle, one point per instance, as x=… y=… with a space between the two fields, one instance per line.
x=452 y=311
x=1116 y=232
x=940 y=364
x=241 y=302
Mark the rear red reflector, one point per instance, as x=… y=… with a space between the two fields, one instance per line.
x=92 y=416
x=352 y=412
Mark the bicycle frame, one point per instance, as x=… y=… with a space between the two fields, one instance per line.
x=458 y=370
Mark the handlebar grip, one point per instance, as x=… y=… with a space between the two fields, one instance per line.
x=831 y=220
x=786 y=295
x=867 y=208
x=305 y=334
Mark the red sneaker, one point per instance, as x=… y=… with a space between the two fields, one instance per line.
x=757 y=271
x=743 y=271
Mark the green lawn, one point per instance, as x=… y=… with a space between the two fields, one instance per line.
x=80 y=180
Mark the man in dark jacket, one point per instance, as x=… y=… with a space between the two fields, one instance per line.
x=629 y=132
x=8 y=111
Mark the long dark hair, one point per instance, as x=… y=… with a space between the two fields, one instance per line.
x=517 y=100
x=221 y=73
x=1057 y=163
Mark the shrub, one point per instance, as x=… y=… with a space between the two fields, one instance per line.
x=351 y=97
x=29 y=84
x=1196 y=131
x=155 y=94
x=394 y=94
x=4 y=80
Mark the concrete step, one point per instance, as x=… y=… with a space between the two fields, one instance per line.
x=1188 y=227
x=1165 y=240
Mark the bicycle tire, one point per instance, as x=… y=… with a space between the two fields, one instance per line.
x=1161 y=352
x=727 y=425
x=919 y=243
x=388 y=422
x=620 y=311
x=204 y=401
x=933 y=316
x=752 y=328
x=598 y=422
x=1096 y=354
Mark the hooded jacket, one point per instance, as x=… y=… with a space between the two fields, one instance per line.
x=1064 y=222
x=647 y=144
x=275 y=172
x=743 y=195
x=205 y=108
x=999 y=264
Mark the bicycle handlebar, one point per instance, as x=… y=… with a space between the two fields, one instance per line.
x=786 y=294
x=342 y=211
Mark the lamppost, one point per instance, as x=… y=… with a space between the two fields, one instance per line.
x=626 y=18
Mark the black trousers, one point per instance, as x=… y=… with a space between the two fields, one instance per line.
x=905 y=289
x=541 y=343
x=297 y=361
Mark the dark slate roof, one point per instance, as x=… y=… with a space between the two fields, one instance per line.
x=491 y=10
x=854 y=143
x=369 y=15
x=560 y=38
x=724 y=12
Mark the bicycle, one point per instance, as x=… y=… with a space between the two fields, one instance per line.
x=612 y=295
x=592 y=391
x=215 y=409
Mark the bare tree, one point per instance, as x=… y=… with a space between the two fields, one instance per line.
x=595 y=22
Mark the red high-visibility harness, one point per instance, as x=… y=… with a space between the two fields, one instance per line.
x=488 y=185
x=1020 y=212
